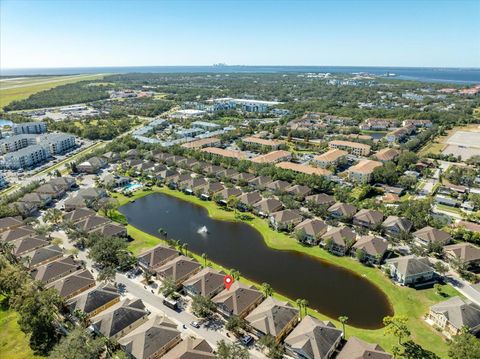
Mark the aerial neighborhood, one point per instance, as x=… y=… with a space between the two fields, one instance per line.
x=127 y=213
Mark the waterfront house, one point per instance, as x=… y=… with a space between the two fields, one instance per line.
x=95 y=301
x=341 y=210
x=338 y=240
x=191 y=185
x=410 y=270
x=286 y=219
x=227 y=192
x=454 y=314
x=248 y=200
x=266 y=206
x=207 y=283
x=111 y=230
x=211 y=188
x=239 y=300
x=90 y=223
x=156 y=257
x=311 y=229
x=395 y=226
x=368 y=218
x=373 y=248
x=178 y=269
x=273 y=317
x=465 y=253
x=313 y=339
x=152 y=339
x=429 y=235
x=358 y=349
x=121 y=319
x=191 y=348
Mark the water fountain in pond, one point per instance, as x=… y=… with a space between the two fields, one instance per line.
x=202 y=230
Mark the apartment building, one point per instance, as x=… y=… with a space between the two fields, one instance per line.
x=378 y=124
x=362 y=171
x=56 y=143
x=331 y=157
x=355 y=148
x=29 y=128
x=26 y=157
x=15 y=143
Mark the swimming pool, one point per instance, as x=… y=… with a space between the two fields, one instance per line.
x=132 y=187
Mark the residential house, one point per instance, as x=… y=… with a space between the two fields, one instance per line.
x=278 y=186
x=299 y=191
x=322 y=199
x=92 y=165
x=465 y=253
x=273 y=317
x=9 y=223
x=95 y=301
x=454 y=314
x=74 y=284
x=358 y=349
x=248 y=200
x=25 y=209
x=368 y=218
x=313 y=339
x=239 y=300
x=111 y=230
x=78 y=215
x=42 y=256
x=121 y=319
x=396 y=226
x=191 y=185
x=51 y=190
x=114 y=181
x=283 y=220
x=363 y=170
x=266 y=206
x=410 y=270
x=330 y=158
x=152 y=339
x=17 y=233
x=429 y=235
x=191 y=348
x=55 y=270
x=178 y=269
x=373 y=248
x=259 y=182
x=207 y=283
x=210 y=189
x=111 y=157
x=156 y=257
x=338 y=240
x=341 y=210
x=66 y=183
x=243 y=178
x=312 y=229
x=24 y=245
x=226 y=174
x=37 y=199
x=227 y=192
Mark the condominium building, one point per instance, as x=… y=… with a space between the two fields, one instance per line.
x=15 y=143
x=26 y=157
x=355 y=148
x=362 y=171
x=330 y=157
x=56 y=143
x=29 y=128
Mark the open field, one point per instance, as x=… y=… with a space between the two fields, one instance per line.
x=11 y=90
x=405 y=301
x=438 y=144
x=13 y=342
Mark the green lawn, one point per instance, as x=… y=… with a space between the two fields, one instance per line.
x=405 y=301
x=25 y=88
x=13 y=342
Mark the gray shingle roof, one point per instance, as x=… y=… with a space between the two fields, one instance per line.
x=460 y=312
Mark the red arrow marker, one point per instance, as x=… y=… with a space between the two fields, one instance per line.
x=228 y=281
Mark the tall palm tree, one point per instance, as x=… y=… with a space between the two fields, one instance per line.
x=185 y=248
x=204 y=257
x=7 y=248
x=343 y=319
x=305 y=305
x=267 y=290
x=235 y=274
x=299 y=303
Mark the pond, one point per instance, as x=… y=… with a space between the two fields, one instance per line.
x=330 y=289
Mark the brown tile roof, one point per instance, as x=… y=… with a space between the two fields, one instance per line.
x=206 y=282
x=309 y=170
x=262 y=141
x=157 y=256
x=191 y=348
x=238 y=298
x=271 y=157
x=365 y=166
x=225 y=153
x=358 y=349
x=73 y=283
x=179 y=268
x=201 y=143
x=433 y=235
x=350 y=144
x=387 y=154
x=466 y=252
x=331 y=155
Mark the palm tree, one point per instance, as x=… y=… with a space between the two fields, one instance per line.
x=82 y=317
x=343 y=319
x=235 y=274
x=7 y=249
x=299 y=303
x=177 y=244
x=204 y=257
x=267 y=290
x=305 y=305
x=185 y=248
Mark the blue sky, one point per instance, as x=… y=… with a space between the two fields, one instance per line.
x=79 y=33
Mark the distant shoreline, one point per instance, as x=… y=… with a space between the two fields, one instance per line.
x=424 y=74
